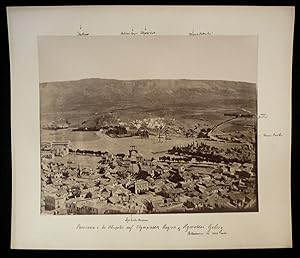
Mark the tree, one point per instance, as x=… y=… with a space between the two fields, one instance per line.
x=149 y=206
x=189 y=204
x=89 y=195
x=142 y=175
x=65 y=174
x=49 y=180
x=76 y=191
x=175 y=178
x=101 y=170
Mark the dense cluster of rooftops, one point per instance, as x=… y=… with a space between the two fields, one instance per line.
x=130 y=183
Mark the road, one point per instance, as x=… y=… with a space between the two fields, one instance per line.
x=209 y=134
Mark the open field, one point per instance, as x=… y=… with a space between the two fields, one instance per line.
x=96 y=141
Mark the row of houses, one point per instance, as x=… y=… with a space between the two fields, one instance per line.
x=55 y=148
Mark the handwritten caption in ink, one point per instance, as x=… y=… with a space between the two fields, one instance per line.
x=142 y=226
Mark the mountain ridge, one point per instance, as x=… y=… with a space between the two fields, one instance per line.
x=155 y=79
x=97 y=93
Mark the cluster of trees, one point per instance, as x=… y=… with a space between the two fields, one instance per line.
x=204 y=152
x=91 y=128
x=168 y=158
x=90 y=152
x=203 y=133
x=117 y=130
x=197 y=132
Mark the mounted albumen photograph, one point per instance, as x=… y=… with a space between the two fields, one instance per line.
x=148 y=124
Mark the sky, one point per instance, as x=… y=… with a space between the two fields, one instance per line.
x=64 y=58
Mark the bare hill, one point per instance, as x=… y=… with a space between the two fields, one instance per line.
x=110 y=95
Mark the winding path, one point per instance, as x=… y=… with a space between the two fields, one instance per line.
x=209 y=134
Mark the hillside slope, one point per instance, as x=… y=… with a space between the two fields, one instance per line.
x=108 y=95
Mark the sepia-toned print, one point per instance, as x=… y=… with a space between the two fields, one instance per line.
x=148 y=124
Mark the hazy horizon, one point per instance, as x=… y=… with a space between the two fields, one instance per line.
x=71 y=58
x=145 y=79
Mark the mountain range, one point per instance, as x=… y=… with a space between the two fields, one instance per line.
x=106 y=95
